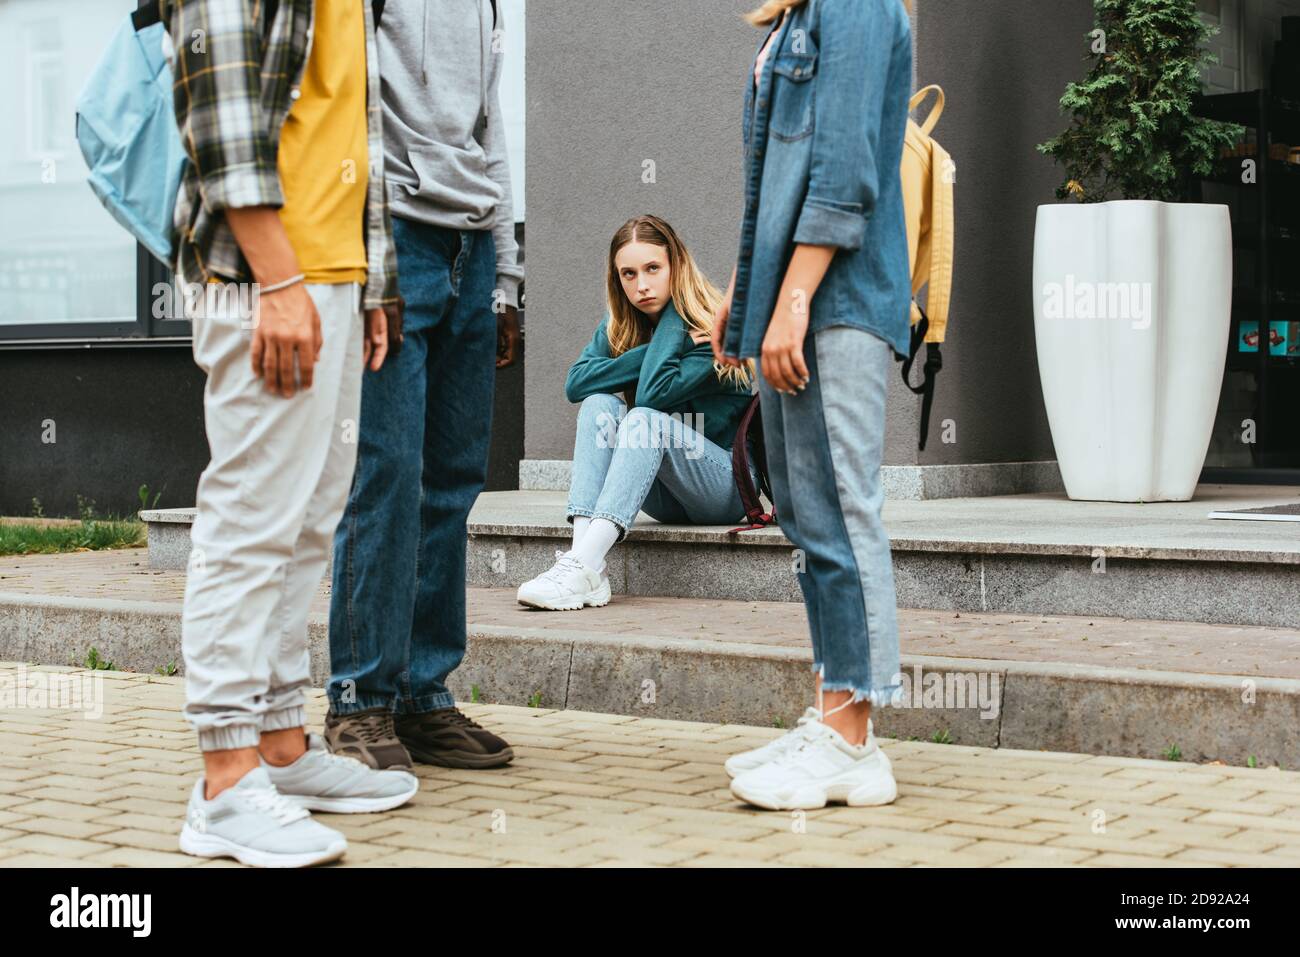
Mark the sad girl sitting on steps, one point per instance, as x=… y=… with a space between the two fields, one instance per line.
x=658 y=414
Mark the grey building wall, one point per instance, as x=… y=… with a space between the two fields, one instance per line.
x=615 y=83
x=612 y=85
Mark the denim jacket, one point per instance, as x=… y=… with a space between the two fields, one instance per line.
x=831 y=110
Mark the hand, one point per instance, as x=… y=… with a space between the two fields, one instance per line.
x=395 y=313
x=374 y=347
x=782 y=356
x=699 y=336
x=507 y=337
x=286 y=327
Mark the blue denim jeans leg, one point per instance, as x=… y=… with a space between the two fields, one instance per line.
x=397 y=613
x=626 y=461
x=824 y=449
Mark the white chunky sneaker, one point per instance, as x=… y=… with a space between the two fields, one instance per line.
x=568 y=585
x=738 y=764
x=256 y=825
x=749 y=760
x=323 y=781
x=820 y=768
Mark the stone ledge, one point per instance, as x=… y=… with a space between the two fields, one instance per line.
x=1039 y=706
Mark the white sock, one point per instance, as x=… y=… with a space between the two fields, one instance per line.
x=580 y=525
x=599 y=538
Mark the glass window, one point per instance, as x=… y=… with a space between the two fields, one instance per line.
x=64 y=262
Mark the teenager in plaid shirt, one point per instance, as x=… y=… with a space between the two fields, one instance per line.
x=279 y=113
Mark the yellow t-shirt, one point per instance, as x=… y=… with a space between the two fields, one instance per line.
x=323 y=150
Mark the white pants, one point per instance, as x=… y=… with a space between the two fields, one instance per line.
x=268 y=504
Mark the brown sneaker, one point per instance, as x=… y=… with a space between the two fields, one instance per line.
x=450 y=739
x=367 y=736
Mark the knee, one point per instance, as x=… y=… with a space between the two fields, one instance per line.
x=644 y=427
x=600 y=402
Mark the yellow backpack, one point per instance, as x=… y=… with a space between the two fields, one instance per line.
x=927 y=174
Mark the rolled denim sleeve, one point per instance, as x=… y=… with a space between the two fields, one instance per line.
x=855 y=46
x=217 y=99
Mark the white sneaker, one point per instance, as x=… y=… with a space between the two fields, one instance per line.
x=820 y=767
x=323 y=781
x=738 y=764
x=568 y=585
x=749 y=760
x=256 y=825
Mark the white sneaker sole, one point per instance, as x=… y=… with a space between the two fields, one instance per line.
x=851 y=789
x=210 y=845
x=810 y=797
x=594 y=599
x=353 y=805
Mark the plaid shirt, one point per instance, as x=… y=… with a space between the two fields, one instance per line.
x=232 y=96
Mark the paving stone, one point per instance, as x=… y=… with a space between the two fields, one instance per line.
x=597 y=790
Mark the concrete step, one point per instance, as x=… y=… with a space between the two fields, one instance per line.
x=1028 y=554
x=1092 y=685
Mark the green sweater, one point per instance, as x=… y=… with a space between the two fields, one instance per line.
x=670 y=373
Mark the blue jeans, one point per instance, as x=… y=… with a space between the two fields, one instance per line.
x=645 y=460
x=397 y=613
x=824 y=448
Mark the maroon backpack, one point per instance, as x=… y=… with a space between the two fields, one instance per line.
x=751 y=426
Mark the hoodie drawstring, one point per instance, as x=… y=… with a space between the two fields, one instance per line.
x=424 y=44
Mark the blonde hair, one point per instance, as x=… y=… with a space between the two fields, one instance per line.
x=695 y=298
x=772 y=10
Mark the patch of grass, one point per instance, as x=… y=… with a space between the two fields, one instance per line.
x=90 y=532
x=1172 y=753
x=1252 y=762
x=167 y=670
x=535 y=699
x=87 y=536
x=474 y=695
x=942 y=737
x=94 y=662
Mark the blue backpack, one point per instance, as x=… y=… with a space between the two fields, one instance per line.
x=126 y=128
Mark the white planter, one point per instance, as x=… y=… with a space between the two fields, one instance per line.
x=1132 y=302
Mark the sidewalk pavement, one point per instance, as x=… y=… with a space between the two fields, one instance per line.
x=595 y=789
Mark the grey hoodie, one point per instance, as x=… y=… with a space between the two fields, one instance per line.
x=444 y=167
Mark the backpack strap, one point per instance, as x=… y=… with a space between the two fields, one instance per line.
x=145 y=15
x=933 y=363
x=749 y=496
x=927 y=126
